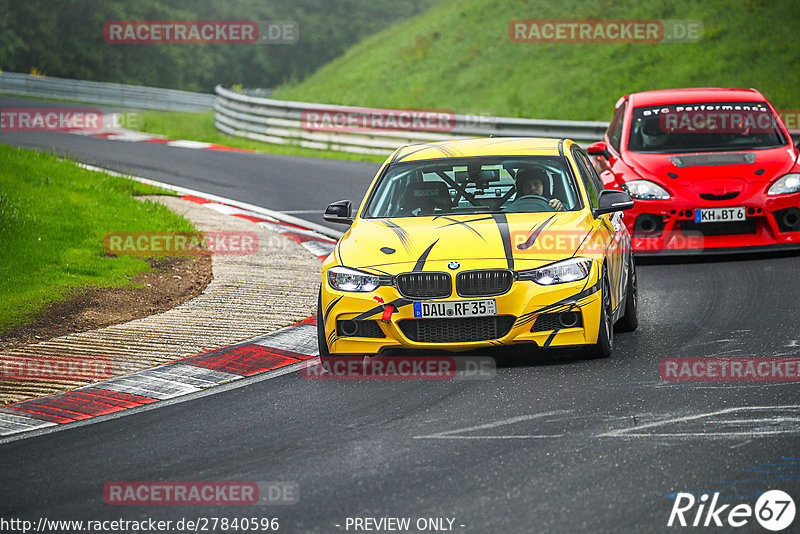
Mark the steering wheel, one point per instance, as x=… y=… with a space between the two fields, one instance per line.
x=537 y=199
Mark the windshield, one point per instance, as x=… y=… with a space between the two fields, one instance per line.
x=474 y=185
x=704 y=126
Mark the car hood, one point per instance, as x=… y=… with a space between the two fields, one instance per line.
x=513 y=240
x=711 y=172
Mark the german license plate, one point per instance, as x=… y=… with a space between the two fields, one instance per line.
x=710 y=215
x=455 y=308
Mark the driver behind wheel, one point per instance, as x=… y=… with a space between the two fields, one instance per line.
x=530 y=193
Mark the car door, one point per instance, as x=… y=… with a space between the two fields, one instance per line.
x=611 y=227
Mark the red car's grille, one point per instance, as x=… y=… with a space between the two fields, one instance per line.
x=726 y=196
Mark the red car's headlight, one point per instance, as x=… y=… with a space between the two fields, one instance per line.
x=789 y=183
x=645 y=189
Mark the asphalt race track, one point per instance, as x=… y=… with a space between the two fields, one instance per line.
x=550 y=444
x=301 y=186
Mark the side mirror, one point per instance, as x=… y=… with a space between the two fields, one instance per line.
x=610 y=201
x=598 y=149
x=339 y=212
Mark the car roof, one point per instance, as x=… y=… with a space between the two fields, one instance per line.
x=488 y=146
x=696 y=94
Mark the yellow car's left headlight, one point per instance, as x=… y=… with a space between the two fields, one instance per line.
x=561 y=272
x=346 y=279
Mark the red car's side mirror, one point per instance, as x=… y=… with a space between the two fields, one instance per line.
x=598 y=149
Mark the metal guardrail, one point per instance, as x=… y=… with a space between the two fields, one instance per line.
x=113 y=94
x=280 y=122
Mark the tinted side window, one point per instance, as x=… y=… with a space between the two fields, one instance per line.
x=615 y=137
x=598 y=183
x=586 y=178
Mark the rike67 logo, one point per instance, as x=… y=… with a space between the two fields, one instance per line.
x=774 y=510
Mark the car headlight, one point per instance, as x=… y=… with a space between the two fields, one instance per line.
x=789 y=183
x=645 y=189
x=345 y=279
x=558 y=273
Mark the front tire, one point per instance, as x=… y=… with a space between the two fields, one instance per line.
x=322 y=342
x=630 y=321
x=605 y=334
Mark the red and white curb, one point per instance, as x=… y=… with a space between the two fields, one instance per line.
x=112 y=130
x=259 y=355
x=299 y=230
x=256 y=356
x=140 y=137
x=320 y=246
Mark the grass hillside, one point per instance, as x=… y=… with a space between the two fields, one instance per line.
x=458 y=55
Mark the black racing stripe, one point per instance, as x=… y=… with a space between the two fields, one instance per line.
x=525 y=316
x=399 y=159
x=463 y=223
x=552 y=335
x=375 y=269
x=550 y=338
x=534 y=234
x=585 y=283
x=523 y=323
x=421 y=261
x=397 y=303
x=581 y=244
x=578 y=296
x=401 y=234
x=523 y=319
x=502 y=226
x=330 y=307
x=446 y=151
x=338 y=252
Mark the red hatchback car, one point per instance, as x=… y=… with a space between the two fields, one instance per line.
x=711 y=170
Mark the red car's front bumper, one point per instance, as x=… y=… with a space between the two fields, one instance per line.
x=668 y=226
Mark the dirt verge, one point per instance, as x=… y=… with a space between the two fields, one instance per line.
x=172 y=281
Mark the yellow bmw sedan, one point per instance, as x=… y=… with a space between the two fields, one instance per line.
x=475 y=243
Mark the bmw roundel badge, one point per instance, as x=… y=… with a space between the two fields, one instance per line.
x=453 y=265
